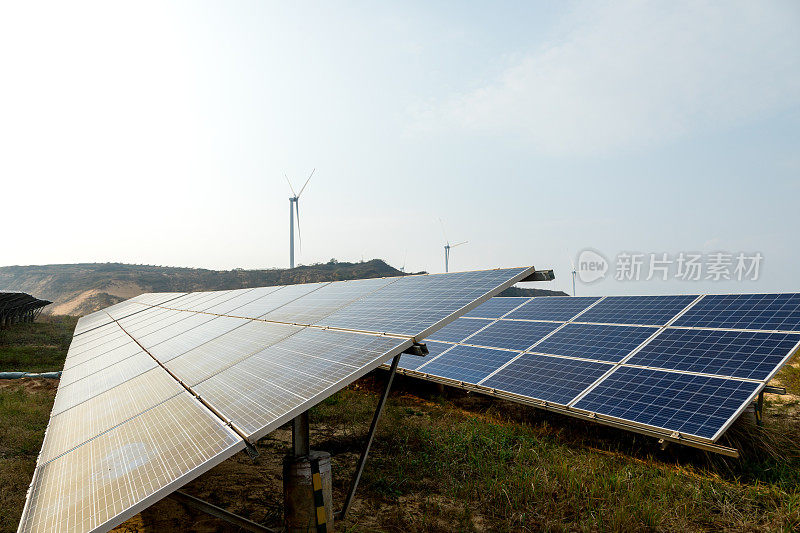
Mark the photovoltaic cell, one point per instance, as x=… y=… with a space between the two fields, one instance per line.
x=558 y=308
x=690 y=404
x=414 y=304
x=550 y=379
x=593 y=341
x=194 y=337
x=467 y=363
x=459 y=329
x=644 y=310
x=512 y=335
x=741 y=354
x=745 y=311
x=496 y=307
x=274 y=299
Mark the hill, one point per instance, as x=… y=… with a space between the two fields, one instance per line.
x=79 y=289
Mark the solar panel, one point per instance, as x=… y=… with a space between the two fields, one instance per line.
x=124 y=432
x=416 y=305
x=550 y=379
x=263 y=391
x=467 y=363
x=742 y=354
x=553 y=308
x=690 y=404
x=644 y=310
x=119 y=472
x=745 y=311
x=496 y=307
x=459 y=329
x=322 y=302
x=512 y=335
x=595 y=341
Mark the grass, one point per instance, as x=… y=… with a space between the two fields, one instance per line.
x=471 y=463
x=462 y=462
x=37 y=347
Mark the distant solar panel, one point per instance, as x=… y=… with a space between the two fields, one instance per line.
x=512 y=335
x=467 y=363
x=693 y=405
x=741 y=354
x=745 y=311
x=595 y=341
x=550 y=379
x=459 y=329
x=496 y=307
x=644 y=310
x=559 y=308
x=628 y=333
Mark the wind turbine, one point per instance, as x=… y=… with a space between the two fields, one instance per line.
x=294 y=206
x=573 y=276
x=447 y=247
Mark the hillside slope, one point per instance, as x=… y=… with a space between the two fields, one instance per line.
x=82 y=288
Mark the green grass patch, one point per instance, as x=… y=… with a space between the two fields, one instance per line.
x=468 y=470
x=40 y=346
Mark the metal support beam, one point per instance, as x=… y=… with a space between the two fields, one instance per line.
x=370 y=436
x=301 y=445
x=760 y=409
x=222 y=514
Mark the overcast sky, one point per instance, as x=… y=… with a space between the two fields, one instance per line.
x=159 y=133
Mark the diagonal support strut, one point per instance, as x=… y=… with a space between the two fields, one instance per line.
x=363 y=459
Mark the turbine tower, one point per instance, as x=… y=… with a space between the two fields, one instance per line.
x=447 y=247
x=294 y=207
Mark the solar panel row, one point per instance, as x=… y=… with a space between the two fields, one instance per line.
x=616 y=356
x=128 y=425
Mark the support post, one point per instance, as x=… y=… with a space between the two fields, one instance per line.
x=300 y=435
x=363 y=459
x=760 y=409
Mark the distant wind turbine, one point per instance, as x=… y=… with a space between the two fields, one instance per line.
x=294 y=206
x=447 y=247
x=573 y=276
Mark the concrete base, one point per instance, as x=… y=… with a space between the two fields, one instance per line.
x=300 y=512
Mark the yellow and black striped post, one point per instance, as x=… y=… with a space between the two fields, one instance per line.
x=319 y=500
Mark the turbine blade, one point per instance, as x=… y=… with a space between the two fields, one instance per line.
x=290 y=184
x=306 y=183
x=443 y=232
x=459 y=244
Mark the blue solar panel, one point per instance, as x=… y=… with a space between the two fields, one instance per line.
x=741 y=354
x=413 y=304
x=645 y=310
x=459 y=329
x=411 y=362
x=468 y=363
x=745 y=311
x=550 y=379
x=694 y=405
x=594 y=341
x=560 y=308
x=496 y=307
x=512 y=335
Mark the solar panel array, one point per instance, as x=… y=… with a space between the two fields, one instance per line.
x=160 y=388
x=681 y=366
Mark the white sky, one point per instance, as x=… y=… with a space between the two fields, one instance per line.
x=159 y=133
